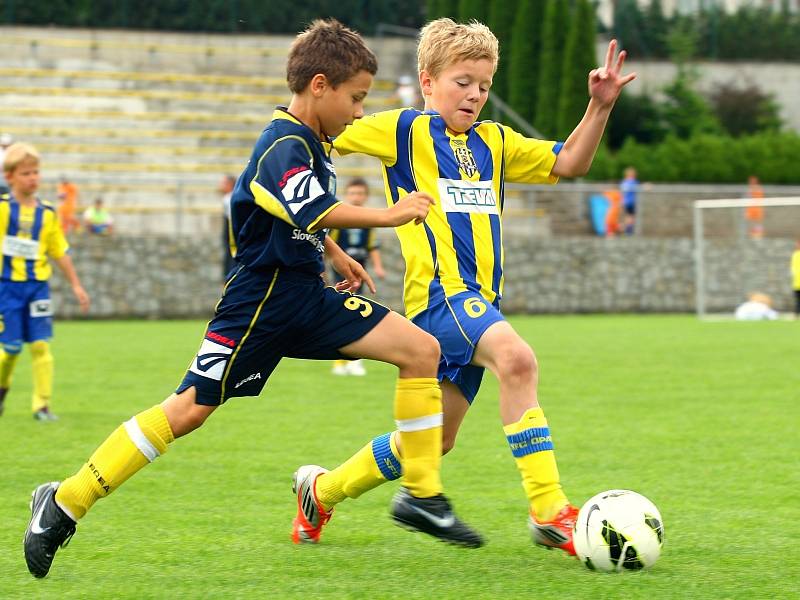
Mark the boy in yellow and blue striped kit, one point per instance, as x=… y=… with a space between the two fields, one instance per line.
x=454 y=264
x=30 y=234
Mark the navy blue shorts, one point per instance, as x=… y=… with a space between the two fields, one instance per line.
x=458 y=323
x=264 y=316
x=26 y=314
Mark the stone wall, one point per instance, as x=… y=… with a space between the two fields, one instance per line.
x=162 y=277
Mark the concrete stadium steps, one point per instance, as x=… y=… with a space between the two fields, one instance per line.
x=185 y=173
x=132 y=136
x=150 y=121
x=107 y=117
x=164 y=99
x=115 y=79
x=149 y=50
x=158 y=51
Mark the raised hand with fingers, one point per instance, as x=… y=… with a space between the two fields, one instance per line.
x=606 y=82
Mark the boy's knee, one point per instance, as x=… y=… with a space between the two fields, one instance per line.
x=429 y=350
x=420 y=354
x=183 y=414
x=519 y=363
x=40 y=349
x=425 y=353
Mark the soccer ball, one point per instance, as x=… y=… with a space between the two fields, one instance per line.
x=618 y=529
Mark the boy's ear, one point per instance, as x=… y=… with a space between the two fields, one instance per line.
x=425 y=82
x=318 y=84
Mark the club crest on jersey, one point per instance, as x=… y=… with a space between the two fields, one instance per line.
x=466 y=162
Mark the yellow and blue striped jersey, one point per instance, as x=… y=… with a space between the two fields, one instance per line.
x=30 y=235
x=460 y=245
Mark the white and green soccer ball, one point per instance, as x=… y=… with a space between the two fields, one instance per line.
x=618 y=530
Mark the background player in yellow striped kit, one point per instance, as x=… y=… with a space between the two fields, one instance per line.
x=31 y=234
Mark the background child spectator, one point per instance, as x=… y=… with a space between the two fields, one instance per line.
x=754 y=214
x=67 y=193
x=629 y=187
x=97 y=219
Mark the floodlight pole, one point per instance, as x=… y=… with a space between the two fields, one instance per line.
x=699 y=268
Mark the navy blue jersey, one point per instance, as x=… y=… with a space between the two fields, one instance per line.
x=357 y=243
x=288 y=186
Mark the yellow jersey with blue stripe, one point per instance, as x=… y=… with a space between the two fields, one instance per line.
x=460 y=245
x=29 y=235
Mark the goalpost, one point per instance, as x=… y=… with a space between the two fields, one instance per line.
x=769 y=247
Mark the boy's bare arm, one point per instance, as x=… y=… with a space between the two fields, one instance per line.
x=605 y=85
x=65 y=264
x=413 y=207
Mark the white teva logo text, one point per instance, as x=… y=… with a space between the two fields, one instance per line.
x=467 y=196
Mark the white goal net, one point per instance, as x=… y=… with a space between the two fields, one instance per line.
x=742 y=246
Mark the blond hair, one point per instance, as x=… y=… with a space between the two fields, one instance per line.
x=18 y=153
x=444 y=42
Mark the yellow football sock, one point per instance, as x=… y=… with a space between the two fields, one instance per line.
x=133 y=445
x=376 y=463
x=7 y=363
x=42 y=367
x=418 y=414
x=532 y=448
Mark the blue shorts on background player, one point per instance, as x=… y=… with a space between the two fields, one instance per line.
x=275 y=305
x=31 y=234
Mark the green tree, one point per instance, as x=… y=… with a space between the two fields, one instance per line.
x=744 y=111
x=554 y=27
x=524 y=59
x=501 y=20
x=656 y=28
x=472 y=9
x=442 y=8
x=628 y=28
x=579 y=59
x=637 y=117
x=685 y=111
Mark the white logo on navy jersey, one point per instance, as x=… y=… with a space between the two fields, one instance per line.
x=211 y=360
x=251 y=377
x=311 y=238
x=300 y=189
x=467 y=196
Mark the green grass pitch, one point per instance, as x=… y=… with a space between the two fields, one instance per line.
x=700 y=417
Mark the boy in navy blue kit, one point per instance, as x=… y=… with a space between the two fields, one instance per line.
x=275 y=305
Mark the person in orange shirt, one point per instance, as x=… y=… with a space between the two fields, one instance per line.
x=68 y=194
x=754 y=213
x=612 y=216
